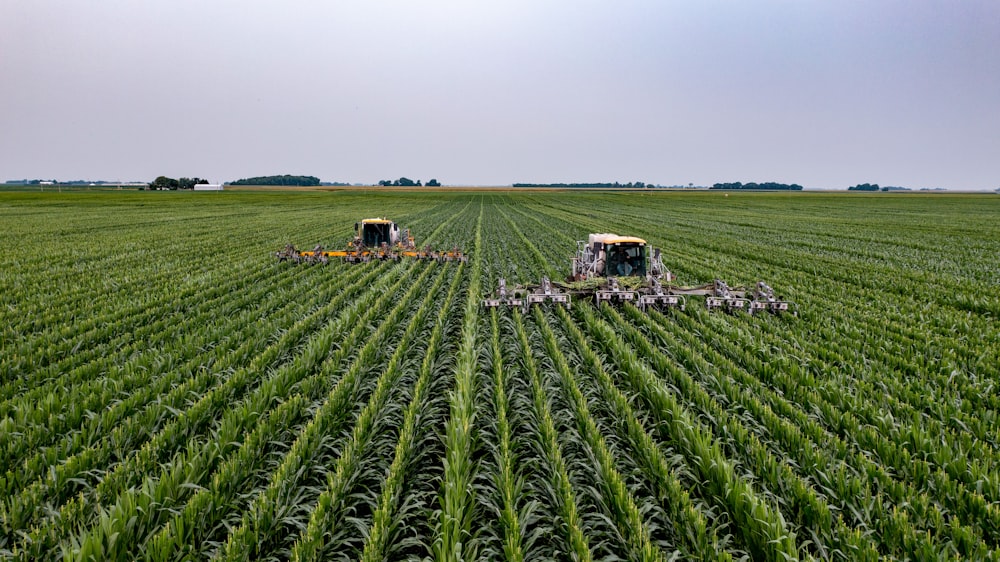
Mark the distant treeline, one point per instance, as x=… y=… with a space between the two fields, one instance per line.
x=279 y=180
x=864 y=187
x=407 y=182
x=763 y=186
x=875 y=187
x=630 y=185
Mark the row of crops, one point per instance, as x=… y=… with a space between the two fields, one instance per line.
x=168 y=391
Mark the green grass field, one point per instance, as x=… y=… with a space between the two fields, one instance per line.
x=168 y=391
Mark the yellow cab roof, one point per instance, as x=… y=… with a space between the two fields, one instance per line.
x=375 y=221
x=624 y=240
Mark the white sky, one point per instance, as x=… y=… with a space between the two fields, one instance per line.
x=825 y=94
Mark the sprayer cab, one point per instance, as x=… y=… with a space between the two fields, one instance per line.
x=625 y=259
x=372 y=233
x=610 y=255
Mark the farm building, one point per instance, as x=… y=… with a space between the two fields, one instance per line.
x=208 y=187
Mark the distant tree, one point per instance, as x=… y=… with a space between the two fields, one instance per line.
x=434 y=183
x=864 y=187
x=189 y=183
x=163 y=182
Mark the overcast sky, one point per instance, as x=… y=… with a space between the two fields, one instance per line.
x=824 y=94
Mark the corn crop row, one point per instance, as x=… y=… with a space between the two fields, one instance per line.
x=455 y=538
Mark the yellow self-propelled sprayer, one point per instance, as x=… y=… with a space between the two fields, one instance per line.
x=374 y=239
x=623 y=269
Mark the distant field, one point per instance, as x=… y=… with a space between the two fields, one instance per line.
x=169 y=391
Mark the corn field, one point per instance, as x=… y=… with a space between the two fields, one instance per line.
x=169 y=391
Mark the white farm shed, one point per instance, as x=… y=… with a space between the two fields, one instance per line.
x=208 y=187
